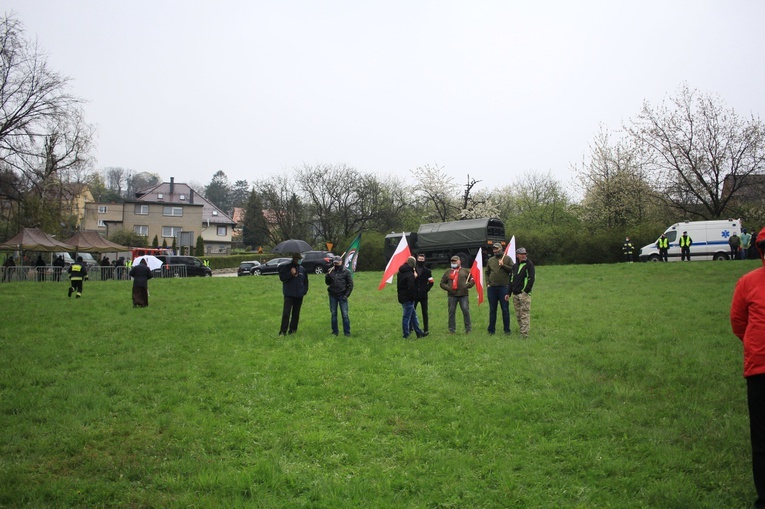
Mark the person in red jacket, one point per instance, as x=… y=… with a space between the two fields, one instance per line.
x=747 y=317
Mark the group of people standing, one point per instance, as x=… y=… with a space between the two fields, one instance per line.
x=740 y=245
x=506 y=281
x=685 y=242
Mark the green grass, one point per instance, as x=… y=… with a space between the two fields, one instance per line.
x=627 y=394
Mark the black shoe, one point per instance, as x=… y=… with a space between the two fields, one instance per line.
x=70 y=291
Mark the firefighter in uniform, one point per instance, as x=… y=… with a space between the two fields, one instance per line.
x=628 y=248
x=663 y=245
x=78 y=272
x=685 y=246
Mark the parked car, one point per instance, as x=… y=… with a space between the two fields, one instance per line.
x=270 y=267
x=172 y=266
x=318 y=262
x=245 y=268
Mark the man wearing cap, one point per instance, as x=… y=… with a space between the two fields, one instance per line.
x=521 y=283
x=294 y=287
x=457 y=283
x=339 y=287
x=685 y=246
x=498 y=270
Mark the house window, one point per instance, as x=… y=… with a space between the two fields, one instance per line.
x=102 y=209
x=101 y=223
x=182 y=197
x=160 y=196
x=141 y=230
x=169 y=210
x=221 y=231
x=171 y=231
x=141 y=210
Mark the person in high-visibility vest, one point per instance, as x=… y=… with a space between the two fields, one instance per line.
x=685 y=246
x=78 y=273
x=663 y=245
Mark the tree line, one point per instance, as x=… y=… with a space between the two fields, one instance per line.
x=690 y=157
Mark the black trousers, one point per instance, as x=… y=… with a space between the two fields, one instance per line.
x=685 y=252
x=291 y=306
x=755 y=392
x=424 y=306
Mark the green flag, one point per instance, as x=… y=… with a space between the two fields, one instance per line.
x=352 y=254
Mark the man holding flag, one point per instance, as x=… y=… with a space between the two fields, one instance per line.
x=457 y=282
x=498 y=270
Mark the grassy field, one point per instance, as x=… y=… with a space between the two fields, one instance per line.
x=627 y=394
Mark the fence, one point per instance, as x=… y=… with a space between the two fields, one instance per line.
x=95 y=273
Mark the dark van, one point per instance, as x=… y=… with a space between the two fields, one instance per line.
x=183 y=266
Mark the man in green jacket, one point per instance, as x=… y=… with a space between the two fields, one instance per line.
x=457 y=282
x=498 y=270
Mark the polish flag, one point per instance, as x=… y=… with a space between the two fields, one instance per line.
x=510 y=251
x=397 y=260
x=476 y=272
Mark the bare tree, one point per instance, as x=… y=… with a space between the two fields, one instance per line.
x=691 y=144
x=284 y=210
x=142 y=180
x=117 y=179
x=341 y=199
x=42 y=132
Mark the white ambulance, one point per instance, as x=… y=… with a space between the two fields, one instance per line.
x=710 y=240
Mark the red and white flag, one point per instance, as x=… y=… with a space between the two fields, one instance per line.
x=476 y=272
x=397 y=260
x=510 y=251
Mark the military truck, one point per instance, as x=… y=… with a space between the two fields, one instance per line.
x=440 y=241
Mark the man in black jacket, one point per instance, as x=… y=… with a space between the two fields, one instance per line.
x=339 y=287
x=141 y=275
x=294 y=287
x=407 y=293
x=423 y=282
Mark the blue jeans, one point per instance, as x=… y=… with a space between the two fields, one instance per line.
x=333 y=302
x=497 y=296
x=410 y=317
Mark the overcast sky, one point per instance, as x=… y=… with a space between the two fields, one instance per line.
x=493 y=89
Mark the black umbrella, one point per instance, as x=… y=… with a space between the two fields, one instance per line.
x=292 y=246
